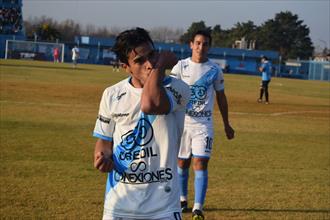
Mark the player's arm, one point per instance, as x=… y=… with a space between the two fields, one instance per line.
x=154 y=99
x=103 y=155
x=261 y=68
x=223 y=107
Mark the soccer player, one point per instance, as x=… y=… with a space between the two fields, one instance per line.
x=75 y=56
x=56 y=54
x=266 y=74
x=204 y=78
x=139 y=127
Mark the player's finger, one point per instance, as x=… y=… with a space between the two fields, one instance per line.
x=97 y=155
x=98 y=161
x=108 y=165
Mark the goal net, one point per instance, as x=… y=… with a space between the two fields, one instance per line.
x=17 y=49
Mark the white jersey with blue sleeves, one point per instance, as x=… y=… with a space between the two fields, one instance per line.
x=204 y=79
x=144 y=183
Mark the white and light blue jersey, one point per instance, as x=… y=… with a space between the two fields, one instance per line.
x=266 y=71
x=144 y=183
x=204 y=79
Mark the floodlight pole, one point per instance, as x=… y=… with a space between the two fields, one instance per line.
x=6 y=49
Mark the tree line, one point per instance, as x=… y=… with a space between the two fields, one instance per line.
x=284 y=33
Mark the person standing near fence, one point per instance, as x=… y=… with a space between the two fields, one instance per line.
x=266 y=74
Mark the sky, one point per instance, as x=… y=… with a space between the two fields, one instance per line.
x=315 y=14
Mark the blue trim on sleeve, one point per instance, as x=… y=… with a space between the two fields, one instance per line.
x=167 y=80
x=102 y=137
x=197 y=156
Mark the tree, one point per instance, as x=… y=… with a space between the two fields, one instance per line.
x=47 y=32
x=70 y=29
x=195 y=26
x=286 y=34
x=45 y=28
x=165 y=34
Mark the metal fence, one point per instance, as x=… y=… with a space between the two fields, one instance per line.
x=319 y=70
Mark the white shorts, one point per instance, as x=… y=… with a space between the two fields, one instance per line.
x=196 y=142
x=174 y=216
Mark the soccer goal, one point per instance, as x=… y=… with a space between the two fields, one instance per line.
x=18 y=49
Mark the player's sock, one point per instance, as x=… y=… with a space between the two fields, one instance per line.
x=267 y=96
x=183 y=181
x=201 y=180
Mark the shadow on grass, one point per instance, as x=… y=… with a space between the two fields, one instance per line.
x=267 y=210
x=46 y=67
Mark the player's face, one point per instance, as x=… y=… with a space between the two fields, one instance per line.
x=200 y=47
x=141 y=61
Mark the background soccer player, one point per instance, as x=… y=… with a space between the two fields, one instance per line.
x=75 y=56
x=204 y=78
x=139 y=127
x=266 y=74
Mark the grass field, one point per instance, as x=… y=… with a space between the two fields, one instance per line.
x=277 y=167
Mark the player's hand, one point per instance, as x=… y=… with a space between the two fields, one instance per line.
x=166 y=60
x=103 y=162
x=230 y=133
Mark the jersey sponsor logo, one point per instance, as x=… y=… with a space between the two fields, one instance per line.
x=138 y=173
x=117 y=115
x=131 y=141
x=137 y=154
x=176 y=95
x=161 y=175
x=140 y=136
x=197 y=98
x=103 y=119
x=199 y=114
x=131 y=157
x=198 y=92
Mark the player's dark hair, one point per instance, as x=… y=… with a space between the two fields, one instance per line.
x=204 y=32
x=128 y=40
x=264 y=57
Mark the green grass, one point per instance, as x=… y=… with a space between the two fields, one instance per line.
x=277 y=167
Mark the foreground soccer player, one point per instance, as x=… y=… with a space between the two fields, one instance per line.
x=204 y=78
x=139 y=127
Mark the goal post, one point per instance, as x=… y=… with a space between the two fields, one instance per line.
x=32 y=50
